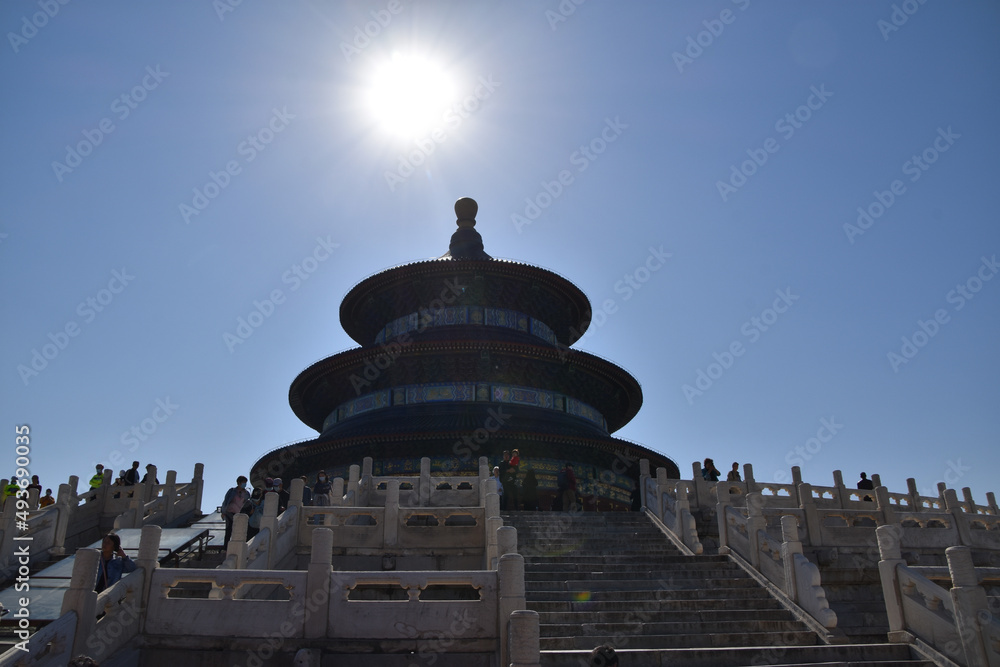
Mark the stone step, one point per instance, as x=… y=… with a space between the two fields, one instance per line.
x=643 y=584
x=707 y=640
x=683 y=605
x=627 y=615
x=588 y=559
x=637 y=628
x=655 y=574
x=855 y=655
x=735 y=596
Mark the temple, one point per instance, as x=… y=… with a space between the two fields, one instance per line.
x=464 y=356
x=414 y=563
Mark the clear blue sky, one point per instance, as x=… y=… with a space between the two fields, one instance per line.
x=649 y=108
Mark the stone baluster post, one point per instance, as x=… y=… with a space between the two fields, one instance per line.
x=199 y=485
x=968 y=500
x=64 y=508
x=682 y=506
x=913 y=495
x=390 y=531
x=525 y=644
x=149 y=491
x=170 y=496
x=661 y=483
x=796 y=481
x=425 y=488
x=885 y=507
x=506 y=540
x=269 y=520
x=493 y=523
x=790 y=546
x=486 y=487
x=33 y=498
x=876 y=480
x=353 y=498
x=991 y=502
x=890 y=560
x=295 y=491
x=366 y=486
x=81 y=598
x=841 y=494
x=748 y=478
x=942 y=487
x=724 y=501
x=237 y=547
x=148 y=559
x=700 y=486
x=953 y=507
x=511 y=597
x=484 y=476
x=136 y=507
x=7 y=529
x=337 y=494
x=318 y=579
x=970 y=603
x=813 y=524
x=755 y=523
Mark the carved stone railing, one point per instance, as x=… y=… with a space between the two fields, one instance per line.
x=956 y=620
x=743 y=531
x=668 y=501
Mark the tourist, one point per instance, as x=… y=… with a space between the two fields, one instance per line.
x=254 y=509
x=149 y=471
x=515 y=458
x=307 y=494
x=35 y=484
x=508 y=477
x=529 y=490
x=132 y=474
x=232 y=505
x=46 y=500
x=604 y=656
x=283 y=496
x=9 y=491
x=97 y=480
x=496 y=480
x=322 y=489
x=83 y=661
x=566 y=484
x=866 y=484
x=734 y=474
x=709 y=472
x=113 y=564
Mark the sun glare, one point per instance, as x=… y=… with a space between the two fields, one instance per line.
x=409 y=95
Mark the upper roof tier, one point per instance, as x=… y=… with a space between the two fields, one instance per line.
x=464 y=276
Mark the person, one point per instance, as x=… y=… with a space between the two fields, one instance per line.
x=866 y=484
x=132 y=474
x=307 y=494
x=46 y=500
x=97 y=480
x=35 y=484
x=499 y=484
x=508 y=477
x=254 y=509
x=515 y=458
x=283 y=496
x=566 y=483
x=113 y=564
x=149 y=470
x=232 y=505
x=10 y=490
x=734 y=474
x=322 y=490
x=83 y=661
x=604 y=656
x=529 y=490
x=709 y=472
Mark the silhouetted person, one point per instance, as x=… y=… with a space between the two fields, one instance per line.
x=709 y=472
x=734 y=474
x=604 y=656
x=866 y=484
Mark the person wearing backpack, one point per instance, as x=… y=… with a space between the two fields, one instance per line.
x=232 y=505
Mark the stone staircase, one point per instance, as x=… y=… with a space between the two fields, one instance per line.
x=598 y=578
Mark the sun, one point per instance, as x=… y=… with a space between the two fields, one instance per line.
x=408 y=95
